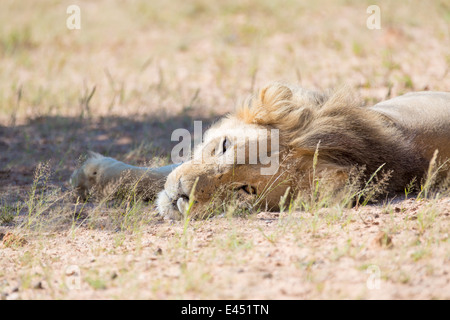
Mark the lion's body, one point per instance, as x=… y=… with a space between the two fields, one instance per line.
x=424 y=116
x=399 y=135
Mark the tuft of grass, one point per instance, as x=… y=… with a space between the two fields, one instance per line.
x=16 y=40
x=7 y=213
x=324 y=194
x=39 y=197
x=433 y=173
x=372 y=187
x=96 y=282
x=426 y=217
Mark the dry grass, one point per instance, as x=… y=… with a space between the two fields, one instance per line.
x=137 y=70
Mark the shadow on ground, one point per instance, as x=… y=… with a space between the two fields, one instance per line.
x=61 y=141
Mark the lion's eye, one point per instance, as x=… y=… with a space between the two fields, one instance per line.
x=225 y=145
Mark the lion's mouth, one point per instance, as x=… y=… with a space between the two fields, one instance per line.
x=182 y=202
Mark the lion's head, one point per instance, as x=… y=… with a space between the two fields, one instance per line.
x=247 y=155
x=287 y=125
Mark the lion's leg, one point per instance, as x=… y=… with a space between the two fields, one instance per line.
x=103 y=176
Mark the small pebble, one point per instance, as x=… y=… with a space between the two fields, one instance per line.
x=38 y=286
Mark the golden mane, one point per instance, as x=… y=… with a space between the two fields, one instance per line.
x=287 y=108
x=348 y=133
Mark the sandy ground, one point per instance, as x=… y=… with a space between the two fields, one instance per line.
x=136 y=71
x=369 y=253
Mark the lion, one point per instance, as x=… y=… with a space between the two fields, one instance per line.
x=317 y=135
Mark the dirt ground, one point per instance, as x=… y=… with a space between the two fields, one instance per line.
x=362 y=254
x=137 y=70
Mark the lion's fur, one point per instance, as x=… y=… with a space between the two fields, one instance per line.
x=345 y=133
x=348 y=134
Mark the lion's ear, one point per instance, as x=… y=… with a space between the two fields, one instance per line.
x=273 y=95
x=272 y=105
